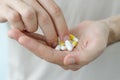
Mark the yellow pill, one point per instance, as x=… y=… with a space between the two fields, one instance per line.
x=72 y=37
x=75 y=39
x=68 y=44
x=74 y=43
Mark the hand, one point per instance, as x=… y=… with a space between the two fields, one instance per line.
x=93 y=39
x=29 y=14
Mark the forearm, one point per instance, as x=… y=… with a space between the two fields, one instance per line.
x=114 y=28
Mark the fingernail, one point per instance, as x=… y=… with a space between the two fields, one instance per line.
x=71 y=61
x=66 y=38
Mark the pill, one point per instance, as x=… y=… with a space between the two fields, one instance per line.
x=62 y=45
x=68 y=45
x=63 y=48
x=73 y=38
x=74 y=43
x=57 y=47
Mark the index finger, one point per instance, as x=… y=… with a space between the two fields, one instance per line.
x=58 y=18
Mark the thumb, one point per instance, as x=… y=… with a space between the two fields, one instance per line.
x=71 y=59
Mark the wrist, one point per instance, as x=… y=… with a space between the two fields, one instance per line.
x=106 y=30
x=113 y=24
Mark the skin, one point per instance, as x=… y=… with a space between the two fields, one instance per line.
x=93 y=39
x=29 y=14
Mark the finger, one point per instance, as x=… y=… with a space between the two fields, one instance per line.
x=41 y=41
x=12 y=17
x=35 y=35
x=74 y=69
x=57 y=17
x=43 y=51
x=27 y=14
x=65 y=68
x=45 y=23
x=79 y=55
x=2 y=16
x=75 y=61
x=40 y=38
x=14 y=34
x=69 y=60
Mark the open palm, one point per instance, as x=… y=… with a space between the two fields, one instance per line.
x=93 y=39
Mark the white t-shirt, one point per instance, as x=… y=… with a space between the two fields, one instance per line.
x=26 y=66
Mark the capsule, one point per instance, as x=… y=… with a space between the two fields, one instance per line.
x=74 y=43
x=68 y=45
x=73 y=38
x=62 y=48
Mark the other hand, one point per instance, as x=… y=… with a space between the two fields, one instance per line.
x=29 y=14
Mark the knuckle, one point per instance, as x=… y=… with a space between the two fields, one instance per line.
x=14 y=16
x=56 y=11
x=32 y=29
x=45 y=19
x=28 y=13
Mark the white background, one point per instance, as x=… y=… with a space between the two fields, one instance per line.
x=3 y=52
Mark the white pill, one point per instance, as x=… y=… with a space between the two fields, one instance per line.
x=62 y=47
x=75 y=39
x=57 y=47
x=68 y=45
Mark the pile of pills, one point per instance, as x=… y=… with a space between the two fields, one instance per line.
x=68 y=44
